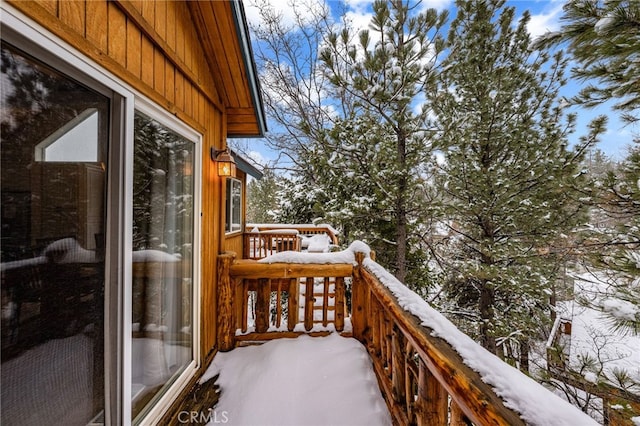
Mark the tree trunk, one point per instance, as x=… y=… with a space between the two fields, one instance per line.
x=487 y=340
x=401 y=210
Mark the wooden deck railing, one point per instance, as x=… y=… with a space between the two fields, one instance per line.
x=258 y=245
x=268 y=301
x=424 y=380
x=303 y=229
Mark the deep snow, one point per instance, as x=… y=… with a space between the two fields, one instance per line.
x=304 y=381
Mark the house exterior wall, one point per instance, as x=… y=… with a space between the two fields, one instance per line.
x=153 y=46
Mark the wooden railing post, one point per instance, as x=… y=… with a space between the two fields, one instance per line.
x=226 y=318
x=358 y=300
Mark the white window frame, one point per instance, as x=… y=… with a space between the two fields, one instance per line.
x=228 y=207
x=119 y=223
x=156 y=113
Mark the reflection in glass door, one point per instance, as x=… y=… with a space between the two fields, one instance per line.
x=54 y=146
x=163 y=237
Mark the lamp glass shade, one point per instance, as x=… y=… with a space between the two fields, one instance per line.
x=226 y=168
x=226 y=164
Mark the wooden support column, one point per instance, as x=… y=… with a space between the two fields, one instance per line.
x=263 y=305
x=226 y=317
x=325 y=302
x=358 y=298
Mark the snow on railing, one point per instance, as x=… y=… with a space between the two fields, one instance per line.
x=429 y=371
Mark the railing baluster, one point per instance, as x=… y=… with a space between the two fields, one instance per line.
x=432 y=398
x=263 y=305
x=339 y=304
x=374 y=320
x=240 y=304
x=325 y=302
x=411 y=383
x=308 y=304
x=398 y=367
x=457 y=416
x=292 y=310
x=279 y=304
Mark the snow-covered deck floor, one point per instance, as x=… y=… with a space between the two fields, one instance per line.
x=304 y=381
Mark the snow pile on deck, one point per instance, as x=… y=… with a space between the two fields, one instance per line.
x=304 y=381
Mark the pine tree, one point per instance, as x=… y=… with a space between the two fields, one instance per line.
x=262 y=203
x=604 y=38
x=511 y=187
x=384 y=141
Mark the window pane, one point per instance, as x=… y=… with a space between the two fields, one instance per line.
x=163 y=218
x=53 y=224
x=236 y=201
x=233 y=219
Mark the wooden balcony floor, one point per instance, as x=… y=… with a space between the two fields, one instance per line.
x=304 y=381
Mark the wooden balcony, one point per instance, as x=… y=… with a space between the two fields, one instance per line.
x=262 y=240
x=429 y=372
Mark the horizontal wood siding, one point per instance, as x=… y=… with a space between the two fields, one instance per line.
x=154 y=47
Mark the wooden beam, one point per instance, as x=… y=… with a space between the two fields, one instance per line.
x=253 y=269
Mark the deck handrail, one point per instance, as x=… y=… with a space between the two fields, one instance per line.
x=419 y=372
x=272 y=284
x=258 y=245
x=303 y=229
x=425 y=378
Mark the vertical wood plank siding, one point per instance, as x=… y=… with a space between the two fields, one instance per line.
x=154 y=47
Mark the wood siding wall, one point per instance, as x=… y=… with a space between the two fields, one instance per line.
x=153 y=46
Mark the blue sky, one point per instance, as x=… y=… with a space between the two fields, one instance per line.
x=545 y=16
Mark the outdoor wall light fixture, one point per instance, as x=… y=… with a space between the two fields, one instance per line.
x=226 y=163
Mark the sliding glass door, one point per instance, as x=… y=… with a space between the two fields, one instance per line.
x=163 y=269
x=55 y=140
x=98 y=242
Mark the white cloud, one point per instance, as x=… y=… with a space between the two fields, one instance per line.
x=257 y=157
x=287 y=9
x=436 y=4
x=545 y=21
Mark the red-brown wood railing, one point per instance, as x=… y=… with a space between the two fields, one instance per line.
x=303 y=229
x=258 y=245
